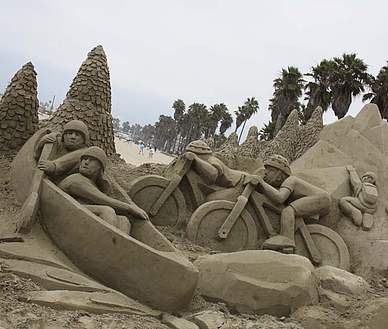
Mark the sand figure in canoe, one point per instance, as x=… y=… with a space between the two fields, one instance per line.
x=67 y=147
x=90 y=186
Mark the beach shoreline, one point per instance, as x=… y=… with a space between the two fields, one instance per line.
x=130 y=153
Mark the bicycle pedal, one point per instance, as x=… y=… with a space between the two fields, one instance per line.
x=288 y=250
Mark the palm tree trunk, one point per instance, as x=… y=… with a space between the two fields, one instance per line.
x=279 y=124
x=242 y=129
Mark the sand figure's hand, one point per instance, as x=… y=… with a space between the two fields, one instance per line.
x=49 y=138
x=47 y=166
x=349 y=168
x=138 y=212
x=252 y=179
x=190 y=155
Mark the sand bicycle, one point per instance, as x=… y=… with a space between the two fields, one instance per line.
x=162 y=197
x=231 y=226
x=171 y=199
x=240 y=222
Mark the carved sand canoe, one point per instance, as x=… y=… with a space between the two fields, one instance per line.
x=144 y=266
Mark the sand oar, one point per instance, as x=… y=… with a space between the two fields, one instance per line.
x=30 y=207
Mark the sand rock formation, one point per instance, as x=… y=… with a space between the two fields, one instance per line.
x=340 y=281
x=229 y=152
x=258 y=282
x=89 y=100
x=292 y=142
x=230 y=146
x=19 y=110
x=309 y=133
x=285 y=141
x=250 y=147
x=361 y=142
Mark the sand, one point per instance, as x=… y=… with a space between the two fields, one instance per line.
x=130 y=153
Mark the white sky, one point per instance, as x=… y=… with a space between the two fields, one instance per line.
x=203 y=51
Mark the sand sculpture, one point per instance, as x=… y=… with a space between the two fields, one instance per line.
x=222 y=208
x=19 y=110
x=364 y=202
x=292 y=141
x=102 y=251
x=303 y=200
x=89 y=186
x=67 y=147
x=89 y=100
x=207 y=176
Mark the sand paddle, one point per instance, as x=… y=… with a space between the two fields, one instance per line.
x=30 y=207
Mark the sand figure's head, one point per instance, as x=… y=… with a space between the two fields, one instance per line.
x=277 y=169
x=75 y=135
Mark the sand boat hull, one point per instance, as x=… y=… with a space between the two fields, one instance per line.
x=144 y=266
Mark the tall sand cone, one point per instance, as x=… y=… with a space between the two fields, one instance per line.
x=285 y=141
x=89 y=100
x=19 y=110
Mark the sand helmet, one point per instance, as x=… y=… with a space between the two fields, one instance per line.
x=371 y=174
x=278 y=162
x=79 y=126
x=97 y=153
x=198 y=147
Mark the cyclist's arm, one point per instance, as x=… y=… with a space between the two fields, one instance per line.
x=207 y=171
x=277 y=196
x=355 y=181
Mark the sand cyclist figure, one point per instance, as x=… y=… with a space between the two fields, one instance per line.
x=302 y=200
x=91 y=187
x=67 y=149
x=209 y=179
x=364 y=202
x=226 y=182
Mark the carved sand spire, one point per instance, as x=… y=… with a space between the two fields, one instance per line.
x=89 y=100
x=285 y=141
x=251 y=145
x=229 y=147
x=309 y=133
x=19 y=110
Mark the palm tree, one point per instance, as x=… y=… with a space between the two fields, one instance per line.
x=197 y=115
x=318 y=90
x=240 y=115
x=288 y=89
x=267 y=132
x=348 y=79
x=165 y=132
x=379 y=91
x=148 y=132
x=251 y=106
x=126 y=126
x=116 y=123
x=216 y=112
x=226 y=123
x=179 y=107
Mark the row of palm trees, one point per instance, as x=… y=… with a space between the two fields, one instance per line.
x=174 y=134
x=331 y=83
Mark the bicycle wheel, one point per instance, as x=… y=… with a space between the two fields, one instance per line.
x=144 y=191
x=207 y=219
x=329 y=243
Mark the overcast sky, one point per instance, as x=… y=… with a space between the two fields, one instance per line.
x=203 y=51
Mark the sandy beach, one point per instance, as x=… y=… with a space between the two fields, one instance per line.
x=130 y=153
